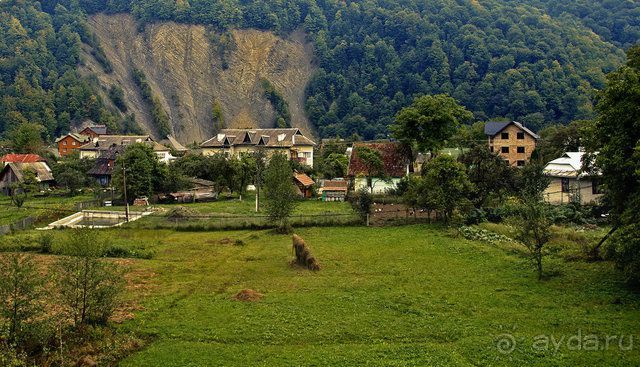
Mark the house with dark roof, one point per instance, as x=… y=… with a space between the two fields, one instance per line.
x=234 y=142
x=102 y=169
x=20 y=158
x=13 y=173
x=103 y=143
x=512 y=141
x=92 y=130
x=395 y=158
x=71 y=142
x=569 y=182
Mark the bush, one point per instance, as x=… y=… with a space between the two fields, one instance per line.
x=475 y=216
x=45 y=241
x=362 y=202
x=483 y=235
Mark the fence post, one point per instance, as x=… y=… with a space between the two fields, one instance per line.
x=368 y=219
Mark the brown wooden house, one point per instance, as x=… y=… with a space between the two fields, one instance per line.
x=304 y=184
x=69 y=143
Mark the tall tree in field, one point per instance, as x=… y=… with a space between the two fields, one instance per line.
x=532 y=221
x=280 y=192
x=21 y=295
x=617 y=138
x=429 y=121
x=372 y=164
x=492 y=177
x=144 y=173
x=445 y=186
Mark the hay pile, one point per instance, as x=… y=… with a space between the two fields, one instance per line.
x=181 y=212
x=248 y=295
x=303 y=254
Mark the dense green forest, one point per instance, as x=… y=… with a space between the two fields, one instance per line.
x=537 y=61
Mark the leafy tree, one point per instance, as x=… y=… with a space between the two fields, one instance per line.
x=280 y=192
x=372 y=163
x=490 y=175
x=532 y=224
x=89 y=287
x=617 y=138
x=21 y=295
x=335 y=165
x=444 y=187
x=363 y=203
x=27 y=138
x=558 y=139
x=145 y=175
x=71 y=173
x=117 y=97
x=429 y=121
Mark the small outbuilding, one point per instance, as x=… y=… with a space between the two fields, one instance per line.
x=304 y=184
x=334 y=190
x=14 y=173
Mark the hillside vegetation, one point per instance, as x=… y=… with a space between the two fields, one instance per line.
x=536 y=61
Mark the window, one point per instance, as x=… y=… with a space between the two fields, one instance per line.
x=520 y=149
x=504 y=136
x=595 y=186
x=73 y=143
x=64 y=150
x=520 y=136
x=64 y=142
x=491 y=149
x=521 y=163
x=565 y=185
x=504 y=149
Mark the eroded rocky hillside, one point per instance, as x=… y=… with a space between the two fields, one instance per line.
x=191 y=71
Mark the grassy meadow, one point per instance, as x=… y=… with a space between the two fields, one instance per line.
x=393 y=296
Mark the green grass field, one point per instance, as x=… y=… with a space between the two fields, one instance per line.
x=395 y=296
x=39 y=206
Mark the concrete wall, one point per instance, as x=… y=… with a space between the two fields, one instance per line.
x=554 y=195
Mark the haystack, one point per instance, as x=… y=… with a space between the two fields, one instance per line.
x=303 y=254
x=248 y=295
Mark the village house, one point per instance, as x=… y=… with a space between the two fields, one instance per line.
x=103 y=143
x=512 y=141
x=14 y=173
x=102 y=170
x=20 y=158
x=93 y=131
x=234 y=142
x=395 y=159
x=569 y=183
x=71 y=142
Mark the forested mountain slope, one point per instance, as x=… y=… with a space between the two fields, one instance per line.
x=535 y=60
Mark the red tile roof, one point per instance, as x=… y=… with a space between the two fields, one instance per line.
x=303 y=179
x=334 y=185
x=21 y=158
x=395 y=157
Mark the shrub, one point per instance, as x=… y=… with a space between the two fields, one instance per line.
x=89 y=287
x=475 y=216
x=45 y=241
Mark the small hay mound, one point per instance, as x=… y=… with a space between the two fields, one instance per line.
x=181 y=212
x=86 y=361
x=248 y=295
x=303 y=254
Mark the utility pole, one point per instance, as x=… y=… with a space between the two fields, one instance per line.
x=126 y=200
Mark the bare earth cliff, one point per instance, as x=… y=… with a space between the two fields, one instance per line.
x=189 y=73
